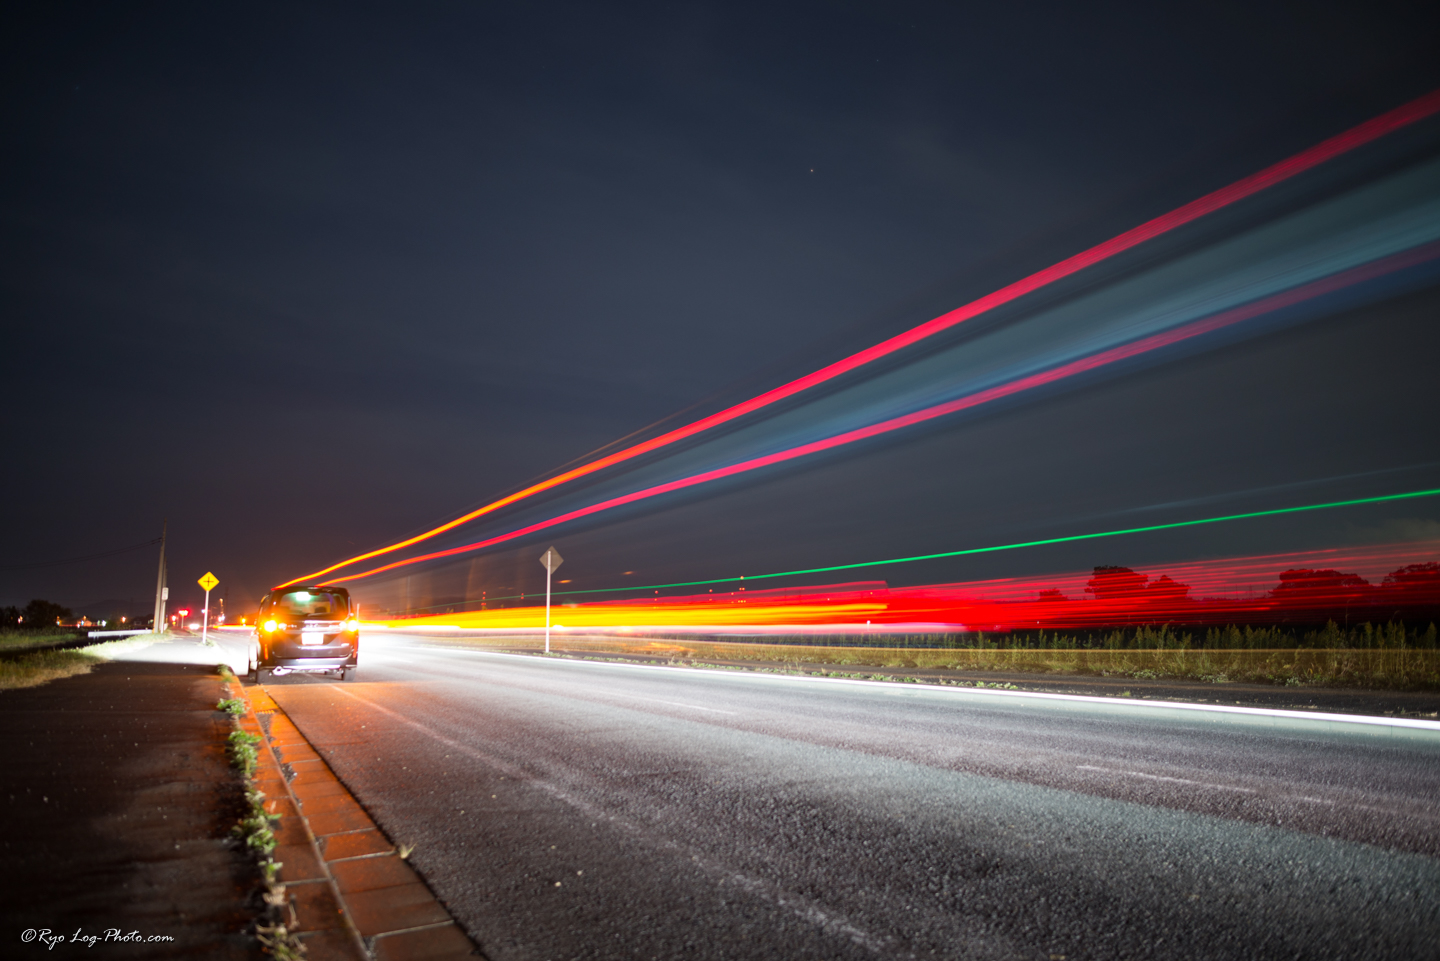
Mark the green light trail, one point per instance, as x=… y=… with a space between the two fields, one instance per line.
x=1016 y=546
x=1005 y=547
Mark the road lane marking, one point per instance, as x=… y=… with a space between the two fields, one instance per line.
x=656 y=700
x=1117 y=703
x=638 y=697
x=1162 y=777
x=1245 y=790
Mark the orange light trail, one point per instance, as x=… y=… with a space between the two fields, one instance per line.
x=1371 y=130
x=1074 y=368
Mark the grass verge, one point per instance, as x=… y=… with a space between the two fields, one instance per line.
x=41 y=667
x=20 y=640
x=256 y=832
x=32 y=670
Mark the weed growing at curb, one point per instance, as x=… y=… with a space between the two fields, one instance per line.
x=255 y=828
x=256 y=832
x=242 y=752
x=279 y=942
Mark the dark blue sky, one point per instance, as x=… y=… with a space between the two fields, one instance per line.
x=305 y=278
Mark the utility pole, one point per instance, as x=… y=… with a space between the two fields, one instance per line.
x=160 y=582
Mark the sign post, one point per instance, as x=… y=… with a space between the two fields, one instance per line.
x=208 y=582
x=551 y=561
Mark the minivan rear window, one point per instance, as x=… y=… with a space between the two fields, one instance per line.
x=310 y=604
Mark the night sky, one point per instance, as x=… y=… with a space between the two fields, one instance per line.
x=305 y=279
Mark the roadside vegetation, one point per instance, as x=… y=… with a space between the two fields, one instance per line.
x=42 y=623
x=255 y=831
x=38 y=625
x=16 y=640
x=1385 y=657
x=31 y=670
x=1331 y=636
x=19 y=669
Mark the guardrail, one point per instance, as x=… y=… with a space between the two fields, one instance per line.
x=118 y=633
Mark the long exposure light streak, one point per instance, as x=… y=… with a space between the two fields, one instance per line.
x=1174 y=525
x=1367 y=132
x=1074 y=368
x=1068 y=539
x=1206 y=577
x=1304 y=587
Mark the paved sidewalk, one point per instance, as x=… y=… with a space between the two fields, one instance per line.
x=118 y=800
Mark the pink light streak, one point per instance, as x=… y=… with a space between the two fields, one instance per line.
x=1104 y=358
x=1402 y=116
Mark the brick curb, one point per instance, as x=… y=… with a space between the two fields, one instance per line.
x=352 y=896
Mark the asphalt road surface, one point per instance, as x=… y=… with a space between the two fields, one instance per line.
x=573 y=809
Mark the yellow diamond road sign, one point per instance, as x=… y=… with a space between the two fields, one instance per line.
x=209 y=581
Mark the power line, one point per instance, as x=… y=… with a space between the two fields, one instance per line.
x=87 y=557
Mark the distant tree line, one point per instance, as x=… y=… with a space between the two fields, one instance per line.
x=1302 y=598
x=1411 y=584
x=38 y=615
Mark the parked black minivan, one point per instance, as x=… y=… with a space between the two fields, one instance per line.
x=309 y=629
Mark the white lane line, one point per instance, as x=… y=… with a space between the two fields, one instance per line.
x=1161 y=777
x=1356 y=806
x=1117 y=703
x=656 y=700
x=652 y=700
x=798 y=905
x=1244 y=790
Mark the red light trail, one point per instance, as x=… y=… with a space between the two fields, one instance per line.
x=1245 y=590
x=1342 y=143
x=1083 y=365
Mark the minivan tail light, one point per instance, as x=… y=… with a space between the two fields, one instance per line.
x=352 y=625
